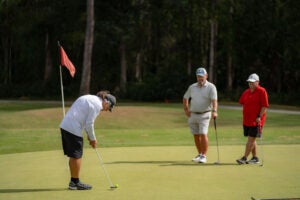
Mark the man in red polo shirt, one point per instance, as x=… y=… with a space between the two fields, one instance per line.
x=255 y=103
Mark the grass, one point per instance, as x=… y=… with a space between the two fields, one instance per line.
x=153 y=173
x=29 y=127
x=149 y=156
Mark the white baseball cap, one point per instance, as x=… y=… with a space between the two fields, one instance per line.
x=253 y=78
x=201 y=72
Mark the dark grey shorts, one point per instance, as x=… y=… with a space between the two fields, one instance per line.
x=252 y=131
x=72 y=144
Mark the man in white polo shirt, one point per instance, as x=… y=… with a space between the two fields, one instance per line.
x=81 y=117
x=200 y=103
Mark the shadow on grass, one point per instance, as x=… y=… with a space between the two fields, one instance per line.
x=32 y=190
x=174 y=163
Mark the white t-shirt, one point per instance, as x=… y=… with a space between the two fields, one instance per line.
x=81 y=116
x=201 y=97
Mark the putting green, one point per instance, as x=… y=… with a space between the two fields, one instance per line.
x=154 y=173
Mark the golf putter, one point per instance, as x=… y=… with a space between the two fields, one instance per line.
x=215 y=125
x=261 y=144
x=112 y=186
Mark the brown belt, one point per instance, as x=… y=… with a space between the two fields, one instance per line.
x=199 y=113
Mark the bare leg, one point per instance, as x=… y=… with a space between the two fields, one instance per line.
x=75 y=164
x=250 y=147
x=204 y=143
x=197 y=140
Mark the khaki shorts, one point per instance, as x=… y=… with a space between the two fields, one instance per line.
x=199 y=123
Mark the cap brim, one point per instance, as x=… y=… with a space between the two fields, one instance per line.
x=251 y=80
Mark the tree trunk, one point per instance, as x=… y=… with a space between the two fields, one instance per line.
x=88 y=49
x=211 y=52
x=123 y=80
x=213 y=33
x=138 y=70
x=6 y=42
x=230 y=71
x=48 y=64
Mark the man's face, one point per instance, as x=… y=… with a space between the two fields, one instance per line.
x=106 y=105
x=253 y=85
x=201 y=79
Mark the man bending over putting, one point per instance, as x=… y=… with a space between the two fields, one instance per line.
x=81 y=116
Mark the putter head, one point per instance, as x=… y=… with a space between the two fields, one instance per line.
x=114 y=186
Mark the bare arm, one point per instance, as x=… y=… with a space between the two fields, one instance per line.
x=262 y=111
x=185 y=103
x=215 y=108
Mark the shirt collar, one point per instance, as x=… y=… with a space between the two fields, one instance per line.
x=205 y=84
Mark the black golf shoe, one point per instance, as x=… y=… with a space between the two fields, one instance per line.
x=242 y=160
x=253 y=160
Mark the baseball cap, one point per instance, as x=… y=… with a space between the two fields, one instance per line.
x=253 y=78
x=112 y=101
x=201 y=72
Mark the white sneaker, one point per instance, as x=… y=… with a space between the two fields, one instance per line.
x=197 y=158
x=202 y=159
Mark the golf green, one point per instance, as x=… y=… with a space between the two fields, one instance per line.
x=154 y=173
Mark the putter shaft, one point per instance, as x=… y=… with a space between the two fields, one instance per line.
x=104 y=169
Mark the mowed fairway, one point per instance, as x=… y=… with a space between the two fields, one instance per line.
x=153 y=173
x=147 y=150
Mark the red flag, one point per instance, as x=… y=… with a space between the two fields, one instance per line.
x=65 y=61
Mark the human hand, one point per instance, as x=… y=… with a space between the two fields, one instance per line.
x=214 y=115
x=93 y=143
x=257 y=120
x=187 y=112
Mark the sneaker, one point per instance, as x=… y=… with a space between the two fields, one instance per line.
x=253 y=160
x=202 y=159
x=197 y=158
x=79 y=186
x=242 y=160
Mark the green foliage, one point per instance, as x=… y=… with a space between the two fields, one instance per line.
x=167 y=35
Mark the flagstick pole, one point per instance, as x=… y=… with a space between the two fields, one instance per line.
x=63 y=102
x=63 y=107
x=62 y=91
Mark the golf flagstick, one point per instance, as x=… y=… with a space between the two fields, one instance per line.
x=112 y=186
x=63 y=103
x=215 y=125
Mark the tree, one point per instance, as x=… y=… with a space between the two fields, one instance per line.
x=88 y=49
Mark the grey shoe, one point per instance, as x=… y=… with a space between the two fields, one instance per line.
x=253 y=160
x=79 y=186
x=242 y=160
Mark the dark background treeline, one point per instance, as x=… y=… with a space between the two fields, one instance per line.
x=149 y=49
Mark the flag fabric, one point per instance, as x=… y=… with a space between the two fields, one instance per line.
x=65 y=61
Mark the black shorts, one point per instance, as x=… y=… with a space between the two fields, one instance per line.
x=72 y=144
x=252 y=131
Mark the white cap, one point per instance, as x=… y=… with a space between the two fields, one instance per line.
x=201 y=72
x=253 y=78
